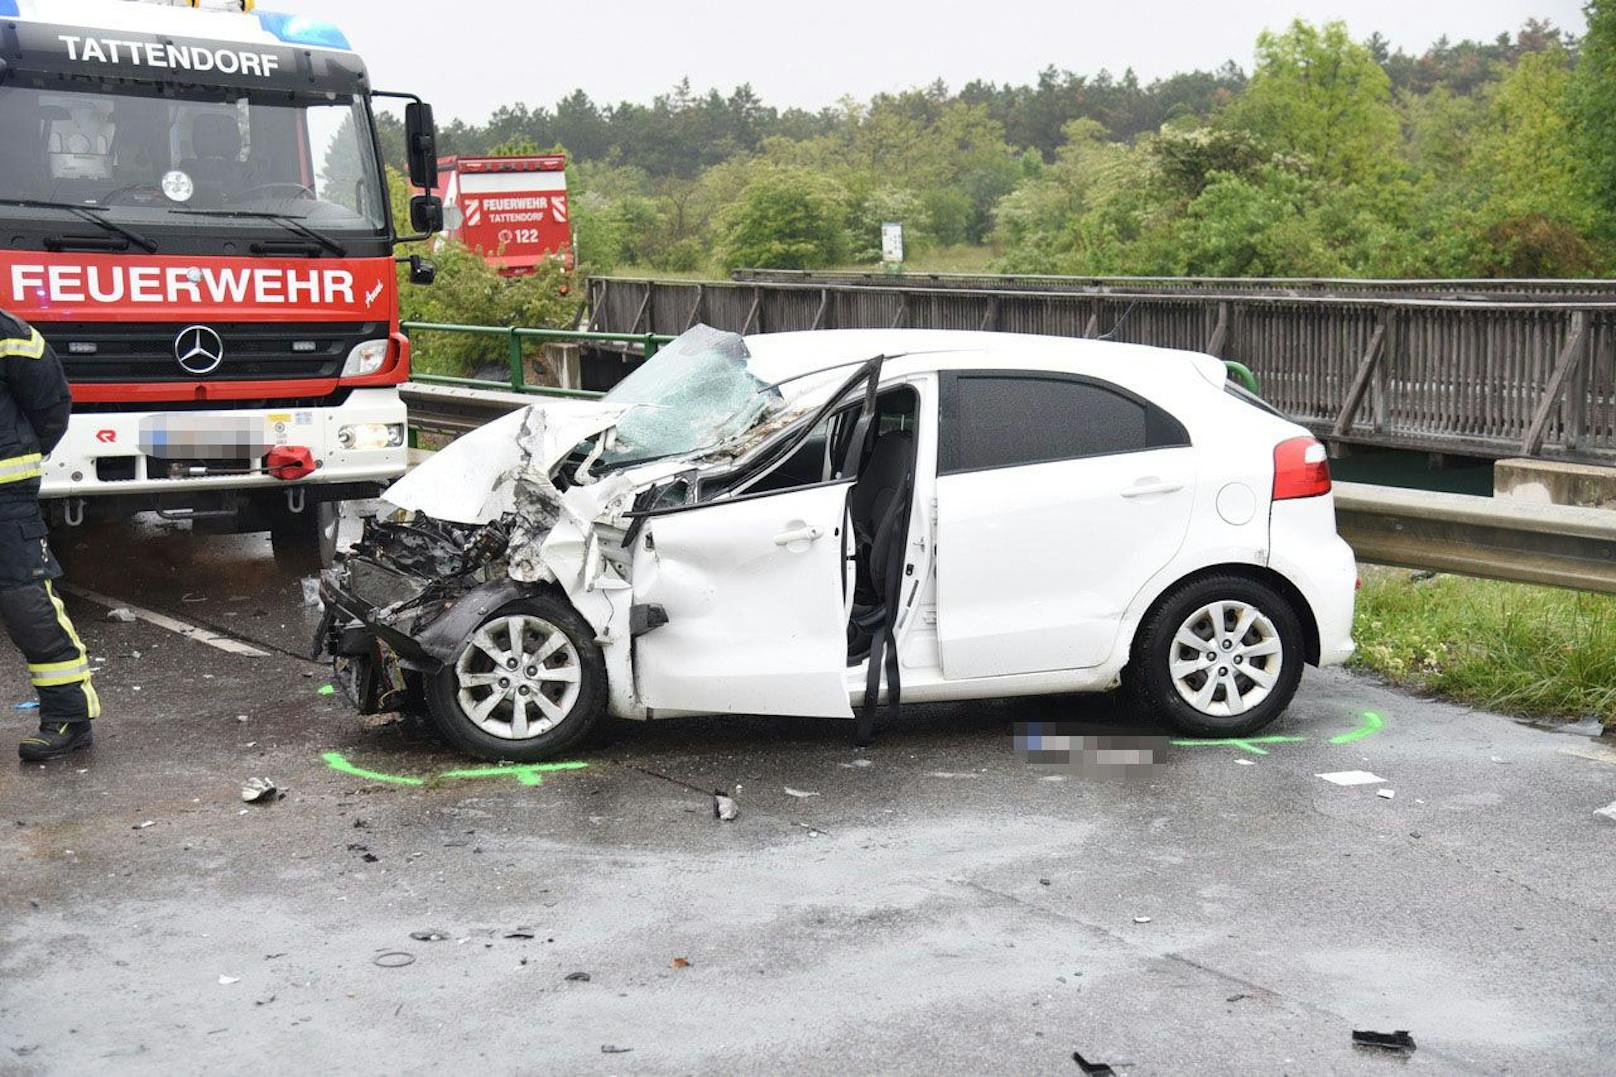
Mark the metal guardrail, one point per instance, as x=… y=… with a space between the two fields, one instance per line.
x=1494 y=537
x=1534 y=289
x=1489 y=377
x=1497 y=538
x=515 y=337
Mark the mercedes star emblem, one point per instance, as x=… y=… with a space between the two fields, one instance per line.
x=199 y=350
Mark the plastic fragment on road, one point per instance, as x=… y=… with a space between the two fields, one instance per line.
x=1141 y=919
x=257 y=790
x=1389 y=1041
x=681 y=962
x=1351 y=777
x=226 y=981
x=1385 y=794
x=799 y=793
x=311 y=590
x=1608 y=811
x=1245 y=762
x=577 y=977
x=1093 y=1069
x=613 y=1049
x=143 y=826
x=122 y=615
x=430 y=934
x=26 y=705
x=857 y=763
x=725 y=808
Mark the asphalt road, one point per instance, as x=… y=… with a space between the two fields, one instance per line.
x=938 y=904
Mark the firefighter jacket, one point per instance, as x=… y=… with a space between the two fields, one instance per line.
x=34 y=406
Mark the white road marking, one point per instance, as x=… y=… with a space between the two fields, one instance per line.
x=200 y=635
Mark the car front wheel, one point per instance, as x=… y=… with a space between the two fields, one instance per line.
x=1218 y=657
x=529 y=683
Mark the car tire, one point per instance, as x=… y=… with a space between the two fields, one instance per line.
x=550 y=701
x=1225 y=685
x=305 y=542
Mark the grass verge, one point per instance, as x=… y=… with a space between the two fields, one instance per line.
x=1509 y=647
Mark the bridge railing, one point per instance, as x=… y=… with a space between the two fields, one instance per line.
x=514 y=340
x=1471 y=376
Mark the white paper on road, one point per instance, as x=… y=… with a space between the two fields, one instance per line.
x=1351 y=777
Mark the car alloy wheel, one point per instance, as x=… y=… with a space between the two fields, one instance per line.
x=518 y=678
x=1226 y=658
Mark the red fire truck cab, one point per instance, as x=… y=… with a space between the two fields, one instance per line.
x=192 y=212
x=511 y=210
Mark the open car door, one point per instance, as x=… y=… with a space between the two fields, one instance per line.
x=753 y=589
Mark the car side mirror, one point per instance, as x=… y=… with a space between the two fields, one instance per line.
x=421 y=145
x=426 y=214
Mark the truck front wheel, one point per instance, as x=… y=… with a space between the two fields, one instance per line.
x=305 y=542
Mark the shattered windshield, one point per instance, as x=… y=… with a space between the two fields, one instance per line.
x=694 y=393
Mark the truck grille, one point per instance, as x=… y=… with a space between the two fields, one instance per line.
x=144 y=352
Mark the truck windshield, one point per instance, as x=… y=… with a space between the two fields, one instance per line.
x=139 y=157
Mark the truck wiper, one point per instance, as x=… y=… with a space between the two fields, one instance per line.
x=291 y=224
x=88 y=213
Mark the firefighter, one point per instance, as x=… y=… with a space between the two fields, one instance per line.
x=34 y=405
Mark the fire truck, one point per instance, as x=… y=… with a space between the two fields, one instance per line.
x=511 y=210
x=193 y=212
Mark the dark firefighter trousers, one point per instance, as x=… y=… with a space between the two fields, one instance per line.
x=36 y=621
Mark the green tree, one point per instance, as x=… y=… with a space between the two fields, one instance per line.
x=786 y=219
x=1593 y=103
x=1320 y=96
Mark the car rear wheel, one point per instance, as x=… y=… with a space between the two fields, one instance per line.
x=1218 y=657
x=529 y=683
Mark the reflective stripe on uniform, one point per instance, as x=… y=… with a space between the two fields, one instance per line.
x=47 y=674
x=17 y=348
x=19 y=468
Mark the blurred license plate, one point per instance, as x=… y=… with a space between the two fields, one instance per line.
x=203 y=437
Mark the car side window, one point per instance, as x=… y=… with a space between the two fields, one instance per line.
x=1006 y=419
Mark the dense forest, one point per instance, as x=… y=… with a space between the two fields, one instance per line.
x=1334 y=155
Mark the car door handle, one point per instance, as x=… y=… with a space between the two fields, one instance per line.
x=798 y=534
x=1147 y=487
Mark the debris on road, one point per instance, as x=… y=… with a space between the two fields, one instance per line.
x=122 y=615
x=521 y=932
x=430 y=934
x=1351 y=777
x=241 y=717
x=258 y=791
x=725 y=808
x=858 y=763
x=951 y=774
x=578 y=977
x=393 y=959
x=613 y=1049
x=681 y=962
x=1390 y=1041
x=1245 y=762
x=1385 y=794
x=143 y=826
x=1141 y=919
x=311 y=590
x=799 y=793
x=1093 y=1069
x=26 y=705
x=226 y=981
x=1608 y=811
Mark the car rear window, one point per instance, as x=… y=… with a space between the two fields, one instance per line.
x=1008 y=420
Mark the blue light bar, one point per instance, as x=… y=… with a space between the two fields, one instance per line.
x=8 y=9
x=293 y=29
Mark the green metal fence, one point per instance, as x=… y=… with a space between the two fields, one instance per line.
x=515 y=337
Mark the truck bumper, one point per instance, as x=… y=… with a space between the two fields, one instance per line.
x=101 y=455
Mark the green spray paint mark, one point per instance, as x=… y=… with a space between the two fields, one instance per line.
x=336 y=761
x=1246 y=744
x=325 y=690
x=1372 y=723
x=526 y=773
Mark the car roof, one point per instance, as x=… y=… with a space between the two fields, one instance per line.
x=778 y=356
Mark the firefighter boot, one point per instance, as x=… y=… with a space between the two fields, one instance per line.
x=54 y=740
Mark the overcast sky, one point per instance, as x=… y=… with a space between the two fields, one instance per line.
x=469 y=56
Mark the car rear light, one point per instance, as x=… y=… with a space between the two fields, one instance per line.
x=1301 y=469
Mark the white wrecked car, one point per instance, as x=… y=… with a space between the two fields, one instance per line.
x=813 y=523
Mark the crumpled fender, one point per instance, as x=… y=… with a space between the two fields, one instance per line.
x=443 y=639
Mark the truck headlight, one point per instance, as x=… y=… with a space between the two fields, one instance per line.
x=366 y=358
x=371 y=436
